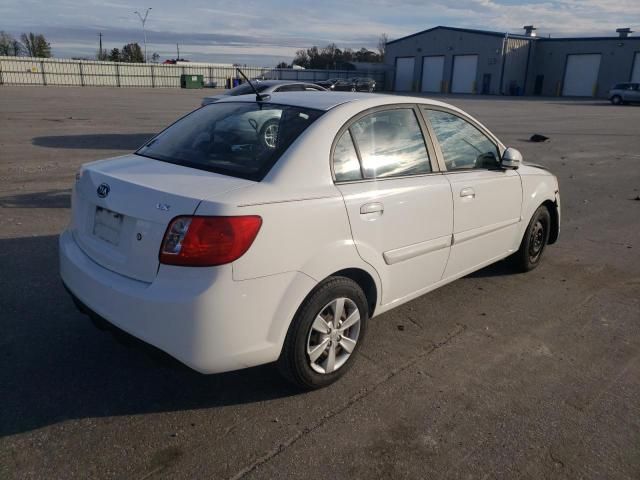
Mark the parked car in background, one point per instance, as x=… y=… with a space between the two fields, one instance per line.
x=355 y=84
x=227 y=251
x=625 y=93
x=267 y=87
x=328 y=84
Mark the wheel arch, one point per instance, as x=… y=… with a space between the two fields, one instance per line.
x=554 y=232
x=365 y=281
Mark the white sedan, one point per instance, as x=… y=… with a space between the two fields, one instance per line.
x=228 y=251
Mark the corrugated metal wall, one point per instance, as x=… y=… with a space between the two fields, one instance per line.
x=515 y=67
x=57 y=71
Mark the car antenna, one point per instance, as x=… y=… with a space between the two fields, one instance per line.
x=259 y=98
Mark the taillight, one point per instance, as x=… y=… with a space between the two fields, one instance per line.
x=208 y=241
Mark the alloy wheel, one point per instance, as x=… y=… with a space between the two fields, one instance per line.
x=333 y=335
x=271 y=135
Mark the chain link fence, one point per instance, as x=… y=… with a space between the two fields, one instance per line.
x=85 y=73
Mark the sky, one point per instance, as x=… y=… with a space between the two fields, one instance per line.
x=265 y=32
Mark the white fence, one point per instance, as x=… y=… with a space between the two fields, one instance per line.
x=85 y=73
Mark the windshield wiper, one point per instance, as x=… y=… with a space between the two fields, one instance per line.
x=259 y=97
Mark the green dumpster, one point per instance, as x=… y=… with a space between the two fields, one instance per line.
x=191 y=81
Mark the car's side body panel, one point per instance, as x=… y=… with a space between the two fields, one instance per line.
x=538 y=186
x=407 y=241
x=487 y=207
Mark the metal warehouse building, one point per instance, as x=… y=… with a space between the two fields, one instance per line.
x=457 y=60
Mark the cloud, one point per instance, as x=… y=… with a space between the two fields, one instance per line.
x=279 y=27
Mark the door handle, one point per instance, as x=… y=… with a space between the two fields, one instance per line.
x=375 y=207
x=467 y=193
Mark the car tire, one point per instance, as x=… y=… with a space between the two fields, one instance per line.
x=534 y=241
x=269 y=134
x=616 y=100
x=300 y=361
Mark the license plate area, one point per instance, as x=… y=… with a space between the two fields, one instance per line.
x=107 y=225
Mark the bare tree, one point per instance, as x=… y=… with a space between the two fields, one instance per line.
x=382 y=45
x=36 y=45
x=9 y=46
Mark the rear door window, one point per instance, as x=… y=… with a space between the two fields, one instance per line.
x=391 y=144
x=243 y=139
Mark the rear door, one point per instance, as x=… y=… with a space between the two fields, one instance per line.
x=399 y=205
x=487 y=200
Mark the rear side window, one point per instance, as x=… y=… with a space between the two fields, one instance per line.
x=346 y=166
x=391 y=144
x=237 y=139
x=463 y=145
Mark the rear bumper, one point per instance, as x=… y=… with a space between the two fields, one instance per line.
x=200 y=316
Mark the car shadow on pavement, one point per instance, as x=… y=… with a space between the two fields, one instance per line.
x=48 y=199
x=498 y=269
x=102 y=141
x=55 y=365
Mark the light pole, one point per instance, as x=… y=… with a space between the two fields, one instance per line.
x=144 y=32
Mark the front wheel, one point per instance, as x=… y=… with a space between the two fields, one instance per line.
x=325 y=334
x=616 y=100
x=534 y=241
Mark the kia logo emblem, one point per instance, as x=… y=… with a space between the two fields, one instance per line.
x=103 y=190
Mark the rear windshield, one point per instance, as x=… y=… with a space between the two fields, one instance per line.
x=238 y=139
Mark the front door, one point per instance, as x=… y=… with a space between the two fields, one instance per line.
x=487 y=200
x=400 y=210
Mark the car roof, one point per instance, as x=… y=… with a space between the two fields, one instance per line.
x=328 y=100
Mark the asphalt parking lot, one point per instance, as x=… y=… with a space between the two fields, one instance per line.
x=498 y=375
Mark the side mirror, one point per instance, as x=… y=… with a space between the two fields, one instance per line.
x=511 y=159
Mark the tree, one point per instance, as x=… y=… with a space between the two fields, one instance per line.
x=102 y=55
x=382 y=46
x=283 y=65
x=301 y=59
x=332 y=57
x=36 y=45
x=114 y=56
x=132 y=53
x=9 y=46
x=155 y=58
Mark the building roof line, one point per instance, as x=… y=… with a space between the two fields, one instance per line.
x=510 y=35
x=465 y=30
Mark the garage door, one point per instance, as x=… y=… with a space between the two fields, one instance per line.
x=465 y=70
x=635 y=75
x=404 y=74
x=432 y=70
x=581 y=75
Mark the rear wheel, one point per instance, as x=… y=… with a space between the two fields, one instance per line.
x=616 y=100
x=534 y=241
x=325 y=334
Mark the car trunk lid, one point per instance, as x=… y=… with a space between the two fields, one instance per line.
x=122 y=207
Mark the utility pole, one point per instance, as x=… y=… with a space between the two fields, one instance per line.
x=178 y=49
x=144 y=32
